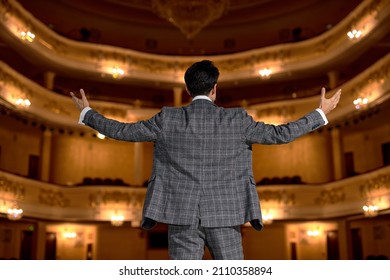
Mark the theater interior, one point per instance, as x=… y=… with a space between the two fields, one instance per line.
x=69 y=193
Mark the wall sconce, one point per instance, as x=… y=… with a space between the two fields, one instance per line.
x=23 y=103
x=117 y=220
x=354 y=34
x=313 y=233
x=117 y=72
x=265 y=73
x=267 y=218
x=370 y=210
x=27 y=36
x=70 y=235
x=14 y=213
x=360 y=102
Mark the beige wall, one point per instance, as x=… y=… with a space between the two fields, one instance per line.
x=309 y=157
x=268 y=244
x=375 y=235
x=366 y=146
x=73 y=248
x=73 y=158
x=120 y=243
x=18 y=142
x=10 y=236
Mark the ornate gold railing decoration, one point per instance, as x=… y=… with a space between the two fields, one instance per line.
x=53 y=198
x=370 y=17
x=374 y=83
x=11 y=190
x=339 y=198
x=109 y=198
x=281 y=197
x=375 y=184
x=331 y=196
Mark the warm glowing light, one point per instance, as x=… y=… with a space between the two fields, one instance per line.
x=265 y=73
x=267 y=218
x=360 y=102
x=313 y=233
x=100 y=136
x=70 y=235
x=354 y=34
x=370 y=210
x=27 y=36
x=117 y=220
x=15 y=213
x=24 y=103
x=117 y=72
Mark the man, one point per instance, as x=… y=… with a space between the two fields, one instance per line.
x=202 y=184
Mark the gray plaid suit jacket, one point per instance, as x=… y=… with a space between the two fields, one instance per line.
x=202 y=166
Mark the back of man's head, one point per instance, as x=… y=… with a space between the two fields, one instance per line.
x=201 y=77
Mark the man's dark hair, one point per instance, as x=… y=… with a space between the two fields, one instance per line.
x=201 y=77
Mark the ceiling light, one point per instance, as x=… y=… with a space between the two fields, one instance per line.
x=190 y=16
x=370 y=210
x=14 y=213
x=27 y=36
x=265 y=73
x=117 y=72
x=354 y=34
x=360 y=102
x=23 y=103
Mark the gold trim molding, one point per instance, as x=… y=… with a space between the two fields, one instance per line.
x=370 y=16
x=53 y=198
x=43 y=200
x=9 y=187
x=332 y=196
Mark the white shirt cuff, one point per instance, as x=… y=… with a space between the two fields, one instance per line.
x=322 y=115
x=82 y=114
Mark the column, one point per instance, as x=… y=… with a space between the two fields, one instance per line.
x=46 y=155
x=40 y=232
x=338 y=154
x=48 y=80
x=333 y=79
x=177 y=94
x=344 y=236
x=138 y=163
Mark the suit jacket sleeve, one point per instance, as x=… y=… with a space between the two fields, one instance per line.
x=261 y=133
x=142 y=131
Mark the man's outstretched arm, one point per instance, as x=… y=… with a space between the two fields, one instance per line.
x=259 y=132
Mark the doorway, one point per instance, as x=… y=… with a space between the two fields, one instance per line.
x=51 y=246
x=332 y=245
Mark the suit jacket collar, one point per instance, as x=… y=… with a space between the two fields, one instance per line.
x=202 y=99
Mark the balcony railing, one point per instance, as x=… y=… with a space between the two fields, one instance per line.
x=98 y=203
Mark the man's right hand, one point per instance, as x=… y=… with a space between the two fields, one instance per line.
x=82 y=102
x=327 y=105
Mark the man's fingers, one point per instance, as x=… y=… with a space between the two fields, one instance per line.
x=323 y=93
x=337 y=96
x=83 y=95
